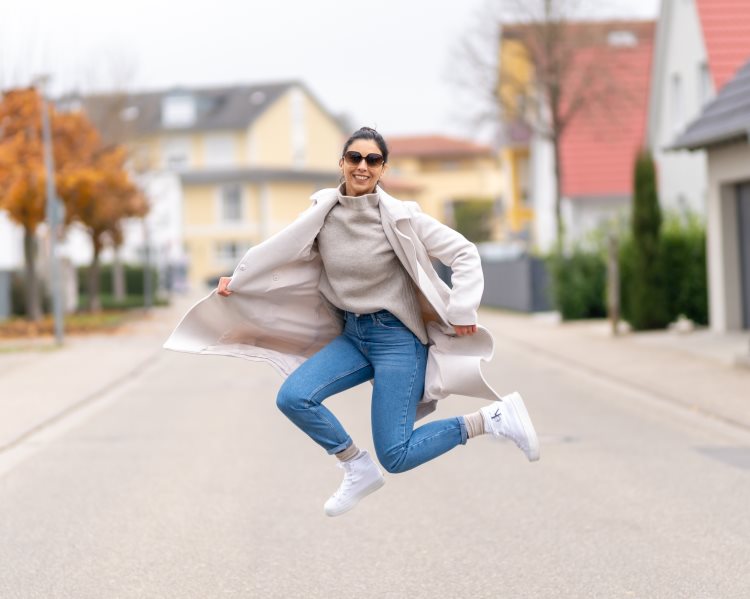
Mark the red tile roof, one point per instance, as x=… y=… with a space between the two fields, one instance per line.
x=392 y=184
x=438 y=146
x=599 y=146
x=726 y=32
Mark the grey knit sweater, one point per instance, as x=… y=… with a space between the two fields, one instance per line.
x=361 y=273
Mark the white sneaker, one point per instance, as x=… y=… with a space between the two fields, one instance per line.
x=509 y=418
x=361 y=477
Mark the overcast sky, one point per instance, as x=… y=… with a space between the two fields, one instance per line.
x=384 y=63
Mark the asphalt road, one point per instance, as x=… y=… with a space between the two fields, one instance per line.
x=186 y=482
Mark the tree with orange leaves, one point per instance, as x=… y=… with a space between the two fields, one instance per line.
x=90 y=179
x=23 y=179
x=100 y=194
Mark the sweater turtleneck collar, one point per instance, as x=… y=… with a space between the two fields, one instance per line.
x=362 y=202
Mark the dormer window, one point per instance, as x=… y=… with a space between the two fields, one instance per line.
x=178 y=111
x=622 y=38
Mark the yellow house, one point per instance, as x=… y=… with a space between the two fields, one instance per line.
x=440 y=172
x=515 y=77
x=248 y=158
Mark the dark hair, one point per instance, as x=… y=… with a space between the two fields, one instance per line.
x=368 y=133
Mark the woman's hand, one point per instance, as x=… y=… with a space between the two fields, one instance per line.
x=222 y=288
x=465 y=329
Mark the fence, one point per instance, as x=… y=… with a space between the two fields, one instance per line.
x=520 y=283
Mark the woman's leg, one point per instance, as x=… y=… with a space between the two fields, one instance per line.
x=340 y=365
x=399 y=362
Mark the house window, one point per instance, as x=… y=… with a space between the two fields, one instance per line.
x=227 y=253
x=231 y=203
x=219 y=150
x=178 y=111
x=622 y=38
x=705 y=89
x=678 y=116
x=176 y=153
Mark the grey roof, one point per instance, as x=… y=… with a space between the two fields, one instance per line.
x=725 y=119
x=208 y=176
x=228 y=107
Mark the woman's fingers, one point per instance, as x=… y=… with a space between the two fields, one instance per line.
x=462 y=330
x=222 y=289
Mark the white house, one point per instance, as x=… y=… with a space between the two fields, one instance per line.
x=699 y=46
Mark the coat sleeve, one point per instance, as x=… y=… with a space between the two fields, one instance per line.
x=454 y=250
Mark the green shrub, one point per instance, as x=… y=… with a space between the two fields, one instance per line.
x=681 y=264
x=473 y=219
x=109 y=302
x=133 y=279
x=647 y=301
x=578 y=284
x=18 y=294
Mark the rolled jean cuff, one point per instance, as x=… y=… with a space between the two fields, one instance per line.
x=341 y=447
x=464 y=432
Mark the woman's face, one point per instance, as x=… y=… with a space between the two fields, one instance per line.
x=361 y=178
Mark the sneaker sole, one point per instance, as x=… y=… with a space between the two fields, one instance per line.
x=515 y=402
x=371 y=489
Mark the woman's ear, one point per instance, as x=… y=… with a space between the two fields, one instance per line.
x=341 y=163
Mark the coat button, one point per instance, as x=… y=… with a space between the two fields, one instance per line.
x=275 y=276
x=242 y=267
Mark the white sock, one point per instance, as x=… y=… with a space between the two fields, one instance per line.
x=474 y=424
x=349 y=453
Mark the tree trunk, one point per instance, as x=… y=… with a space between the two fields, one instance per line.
x=33 y=297
x=118 y=278
x=95 y=304
x=560 y=225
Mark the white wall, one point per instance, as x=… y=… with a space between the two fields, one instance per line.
x=586 y=215
x=682 y=175
x=542 y=192
x=11 y=244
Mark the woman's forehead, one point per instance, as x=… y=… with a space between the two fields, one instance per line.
x=364 y=146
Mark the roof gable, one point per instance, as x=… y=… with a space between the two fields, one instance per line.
x=724 y=119
x=216 y=108
x=435 y=146
x=599 y=145
x=726 y=31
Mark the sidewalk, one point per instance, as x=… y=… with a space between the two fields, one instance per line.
x=698 y=370
x=42 y=383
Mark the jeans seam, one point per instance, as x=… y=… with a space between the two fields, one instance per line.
x=405 y=411
x=439 y=433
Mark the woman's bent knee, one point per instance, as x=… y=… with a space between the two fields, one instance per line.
x=392 y=460
x=288 y=401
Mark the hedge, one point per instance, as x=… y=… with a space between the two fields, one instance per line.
x=579 y=287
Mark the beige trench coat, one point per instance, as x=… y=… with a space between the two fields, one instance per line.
x=277 y=315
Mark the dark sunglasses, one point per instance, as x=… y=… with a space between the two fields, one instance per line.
x=354 y=158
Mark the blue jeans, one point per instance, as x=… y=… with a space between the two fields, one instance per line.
x=372 y=346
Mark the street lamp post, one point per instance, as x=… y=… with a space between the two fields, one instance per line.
x=54 y=213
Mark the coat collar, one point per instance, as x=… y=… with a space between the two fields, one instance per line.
x=395 y=209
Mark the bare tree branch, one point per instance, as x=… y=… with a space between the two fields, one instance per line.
x=544 y=69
